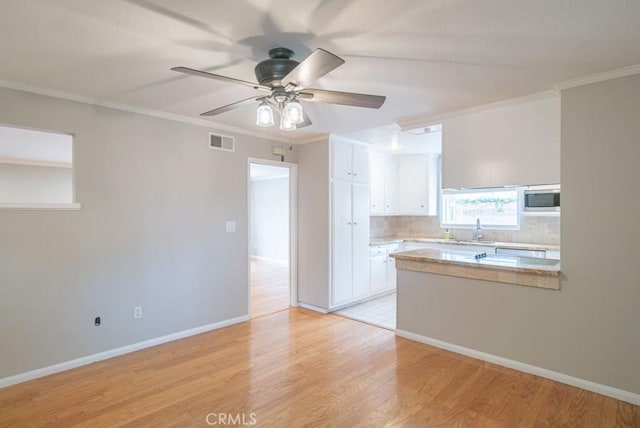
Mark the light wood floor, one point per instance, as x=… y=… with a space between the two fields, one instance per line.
x=269 y=287
x=297 y=368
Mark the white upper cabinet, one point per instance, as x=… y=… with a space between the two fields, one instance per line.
x=513 y=144
x=376 y=183
x=417 y=184
x=390 y=185
x=349 y=161
x=404 y=185
x=360 y=163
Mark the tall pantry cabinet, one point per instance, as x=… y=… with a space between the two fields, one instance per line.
x=333 y=264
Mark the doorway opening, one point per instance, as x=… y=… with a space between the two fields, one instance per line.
x=271 y=237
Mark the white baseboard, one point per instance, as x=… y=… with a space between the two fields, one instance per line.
x=313 y=308
x=82 y=361
x=609 y=391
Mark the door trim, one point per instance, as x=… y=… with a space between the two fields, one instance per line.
x=293 y=226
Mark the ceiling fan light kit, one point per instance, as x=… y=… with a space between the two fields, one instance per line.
x=286 y=124
x=264 y=115
x=287 y=81
x=293 y=111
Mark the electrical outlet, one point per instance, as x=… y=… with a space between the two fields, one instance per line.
x=534 y=222
x=137 y=312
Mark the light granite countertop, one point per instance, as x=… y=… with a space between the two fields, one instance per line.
x=528 y=271
x=513 y=245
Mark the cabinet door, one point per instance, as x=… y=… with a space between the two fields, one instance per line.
x=376 y=183
x=378 y=273
x=360 y=163
x=341 y=160
x=360 y=235
x=391 y=273
x=341 y=272
x=390 y=174
x=412 y=184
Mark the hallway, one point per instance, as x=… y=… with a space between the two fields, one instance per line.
x=269 y=287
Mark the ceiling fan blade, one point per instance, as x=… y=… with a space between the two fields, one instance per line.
x=194 y=72
x=231 y=106
x=343 y=98
x=316 y=65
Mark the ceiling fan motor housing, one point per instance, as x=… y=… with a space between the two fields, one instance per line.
x=274 y=69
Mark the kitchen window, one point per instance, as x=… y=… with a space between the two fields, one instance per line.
x=497 y=208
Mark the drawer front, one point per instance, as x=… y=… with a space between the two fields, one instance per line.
x=377 y=250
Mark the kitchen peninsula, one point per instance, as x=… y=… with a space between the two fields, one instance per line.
x=528 y=271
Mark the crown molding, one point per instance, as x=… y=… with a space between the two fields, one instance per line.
x=433 y=119
x=599 y=77
x=314 y=139
x=69 y=96
x=35 y=162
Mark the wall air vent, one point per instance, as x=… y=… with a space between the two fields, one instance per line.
x=222 y=142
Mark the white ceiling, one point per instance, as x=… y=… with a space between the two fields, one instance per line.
x=391 y=139
x=426 y=56
x=17 y=144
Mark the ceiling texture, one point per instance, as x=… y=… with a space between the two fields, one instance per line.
x=427 y=56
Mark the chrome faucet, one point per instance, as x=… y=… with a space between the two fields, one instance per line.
x=479 y=234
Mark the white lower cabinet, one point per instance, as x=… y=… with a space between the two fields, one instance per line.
x=382 y=269
x=392 y=278
x=378 y=273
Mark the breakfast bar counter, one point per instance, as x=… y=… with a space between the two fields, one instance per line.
x=527 y=271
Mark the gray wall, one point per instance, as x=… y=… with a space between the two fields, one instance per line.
x=270 y=218
x=151 y=232
x=35 y=184
x=588 y=329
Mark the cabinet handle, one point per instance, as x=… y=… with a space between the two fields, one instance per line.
x=421 y=206
x=348 y=173
x=349 y=223
x=373 y=205
x=355 y=223
x=355 y=173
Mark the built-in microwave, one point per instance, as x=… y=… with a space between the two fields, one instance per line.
x=542 y=200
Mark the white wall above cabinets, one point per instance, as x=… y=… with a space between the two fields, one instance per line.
x=405 y=184
x=512 y=143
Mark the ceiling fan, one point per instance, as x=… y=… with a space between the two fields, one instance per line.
x=286 y=81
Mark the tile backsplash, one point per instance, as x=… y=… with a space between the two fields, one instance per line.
x=533 y=230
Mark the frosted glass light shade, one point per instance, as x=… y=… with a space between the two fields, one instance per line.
x=286 y=124
x=264 y=115
x=293 y=110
